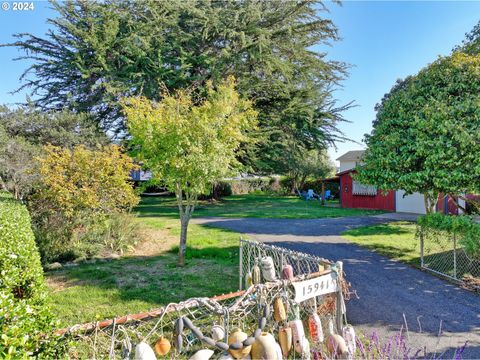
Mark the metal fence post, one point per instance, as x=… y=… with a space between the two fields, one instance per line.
x=455 y=256
x=241 y=265
x=422 y=265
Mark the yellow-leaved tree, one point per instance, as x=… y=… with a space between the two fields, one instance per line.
x=80 y=192
x=190 y=144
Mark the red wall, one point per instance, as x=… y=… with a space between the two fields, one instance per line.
x=378 y=202
x=446 y=203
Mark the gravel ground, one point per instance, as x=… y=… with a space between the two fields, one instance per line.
x=386 y=288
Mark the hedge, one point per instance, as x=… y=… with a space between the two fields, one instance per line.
x=26 y=324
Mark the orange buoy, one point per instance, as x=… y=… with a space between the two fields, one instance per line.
x=162 y=346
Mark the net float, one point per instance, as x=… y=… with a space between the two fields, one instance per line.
x=349 y=336
x=162 y=346
x=143 y=351
x=218 y=333
x=315 y=328
x=203 y=354
x=238 y=336
x=256 y=275
x=268 y=269
x=287 y=272
x=279 y=312
x=336 y=346
x=265 y=347
x=285 y=339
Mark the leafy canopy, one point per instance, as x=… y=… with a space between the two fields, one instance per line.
x=426 y=134
x=189 y=146
x=98 y=52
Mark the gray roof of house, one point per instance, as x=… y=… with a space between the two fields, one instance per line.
x=353 y=155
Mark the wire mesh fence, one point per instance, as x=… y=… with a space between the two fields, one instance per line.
x=252 y=252
x=277 y=302
x=441 y=252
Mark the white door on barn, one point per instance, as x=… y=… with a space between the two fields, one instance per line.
x=413 y=203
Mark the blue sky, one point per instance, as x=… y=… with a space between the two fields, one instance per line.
x=383 y=41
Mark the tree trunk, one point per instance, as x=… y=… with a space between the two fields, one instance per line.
x=430 y=201
x=294 y=188
x=185 y=208
x=182 y=249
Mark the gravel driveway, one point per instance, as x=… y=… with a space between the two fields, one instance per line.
x=387 y=289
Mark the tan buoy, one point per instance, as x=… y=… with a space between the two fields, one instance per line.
x=265 y=347
x=256 y=275
x=285 y=339
x=279 y=313
x=238 y=336
x=336 y=346
x=162 y=346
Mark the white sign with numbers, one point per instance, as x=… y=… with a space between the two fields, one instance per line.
x=321 y=285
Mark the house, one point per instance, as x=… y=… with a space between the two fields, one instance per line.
x=356 y=195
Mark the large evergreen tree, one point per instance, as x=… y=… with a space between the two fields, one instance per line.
x=98 y=52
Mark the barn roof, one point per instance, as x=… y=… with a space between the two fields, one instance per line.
x=353 y=155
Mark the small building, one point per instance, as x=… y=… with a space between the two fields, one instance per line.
x=356 y=195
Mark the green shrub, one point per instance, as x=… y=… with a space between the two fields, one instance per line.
x=26 y=324
x=88 y=237
x=245 y=186
x=465 y=229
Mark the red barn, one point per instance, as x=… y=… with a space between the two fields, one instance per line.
x=357 y=195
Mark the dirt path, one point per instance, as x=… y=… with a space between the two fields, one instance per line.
x=387 y=289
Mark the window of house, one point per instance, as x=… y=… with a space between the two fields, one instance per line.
x=361 y=189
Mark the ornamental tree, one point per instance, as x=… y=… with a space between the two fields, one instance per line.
x=190 y=144
x=425 y=137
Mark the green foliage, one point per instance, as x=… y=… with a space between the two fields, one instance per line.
x=26 y=324
x=98 y=52
x=425 y=136
x=471 y=44
x=79 y=195
x=464 y=228
x=23 y=131
x=244 y=186
x=308 y=164
x=190 y=146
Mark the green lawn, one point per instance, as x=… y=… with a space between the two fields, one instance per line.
x=132 y=284
x=395 y=240
x=150 y=279
x=253 y=205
